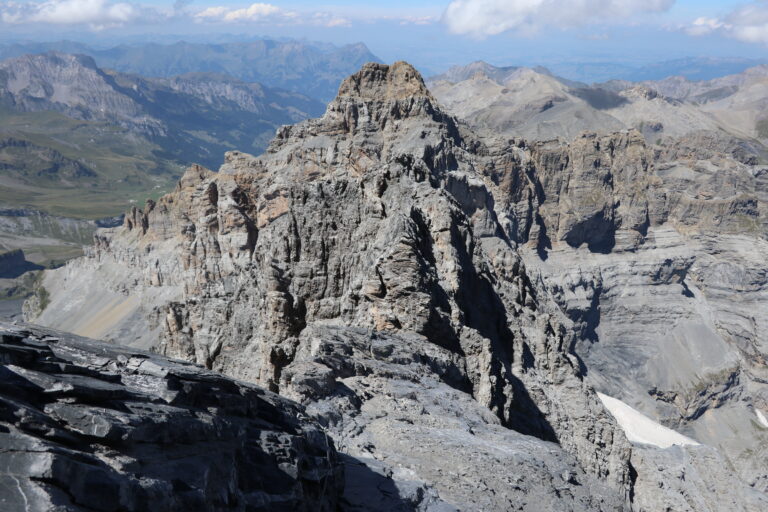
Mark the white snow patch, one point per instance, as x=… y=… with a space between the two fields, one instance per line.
x=761 y=417
x=641 y=429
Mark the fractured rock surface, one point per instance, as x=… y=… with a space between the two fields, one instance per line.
x=661 y=267
x=86 y=426
x=436 y=300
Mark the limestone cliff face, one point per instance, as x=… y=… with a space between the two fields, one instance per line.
x=383 y=266
x=599 y=190
x=658 y=259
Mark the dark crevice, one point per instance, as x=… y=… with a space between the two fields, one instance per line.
x=632 y=481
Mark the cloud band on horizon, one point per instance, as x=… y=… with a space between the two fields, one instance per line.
x=482 y=18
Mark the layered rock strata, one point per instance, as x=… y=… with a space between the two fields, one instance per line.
x=86 y=426
x=386 y=267
x=659 y=263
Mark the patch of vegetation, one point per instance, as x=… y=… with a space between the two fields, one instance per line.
x=43 y=297
x=20 y=288
x=762 y=129
x=105 y=169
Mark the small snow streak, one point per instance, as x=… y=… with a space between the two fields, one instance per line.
x=761 y=417
x=640 y=429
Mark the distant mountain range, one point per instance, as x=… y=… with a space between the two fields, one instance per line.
x=537 y=105
x=316 y=69
x=76 y=139
x=692 y=68
x=313 y=69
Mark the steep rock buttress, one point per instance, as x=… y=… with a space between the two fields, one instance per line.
x=365 y=267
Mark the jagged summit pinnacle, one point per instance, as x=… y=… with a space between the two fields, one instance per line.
x=383 y=82
x=373 y=101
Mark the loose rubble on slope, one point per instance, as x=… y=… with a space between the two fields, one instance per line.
x=377 y=265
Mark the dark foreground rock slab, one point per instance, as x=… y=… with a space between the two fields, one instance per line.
x=86 y=426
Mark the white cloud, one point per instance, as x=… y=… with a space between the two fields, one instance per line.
x=254 y=12
x=326 y=19
x=12 y=12
x=69 y=12
x=337 y=22
x=261 y=13
x=481 y=18
x=213 y=13
x=703 y=26
x=748 y=23
x=418 y=20
x=98 y=14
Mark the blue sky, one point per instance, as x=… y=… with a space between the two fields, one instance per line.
x=432 y=34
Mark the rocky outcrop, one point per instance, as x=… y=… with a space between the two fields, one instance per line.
x=403 y=279
x=597 y=190
x=391 y=401
x=712 y=146
x=369 y=217
x=657 y=259
x=89 y=426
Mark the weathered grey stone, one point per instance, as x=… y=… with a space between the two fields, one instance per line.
x=88 y=426
x=394 y=403
x=660 y=266
x=437 y=300
x=690 y=478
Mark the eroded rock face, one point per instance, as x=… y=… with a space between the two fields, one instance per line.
x=387 y=400
x=410 y=284
x=659 y=262
x=89 y=426
x=370 y=217
x=690 y=478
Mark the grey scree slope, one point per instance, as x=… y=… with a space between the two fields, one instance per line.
x=409 y=283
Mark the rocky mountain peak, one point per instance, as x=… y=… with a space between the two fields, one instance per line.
x=460 y=73
x=31 y=73
x=381 y=82
x=56 y=58
x=72 y=85
x=380 y=102
x=400 y=277
x=642 y=92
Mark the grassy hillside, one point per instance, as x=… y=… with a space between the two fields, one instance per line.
x=77 y=140
x=125 y=167
x=762 y=129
